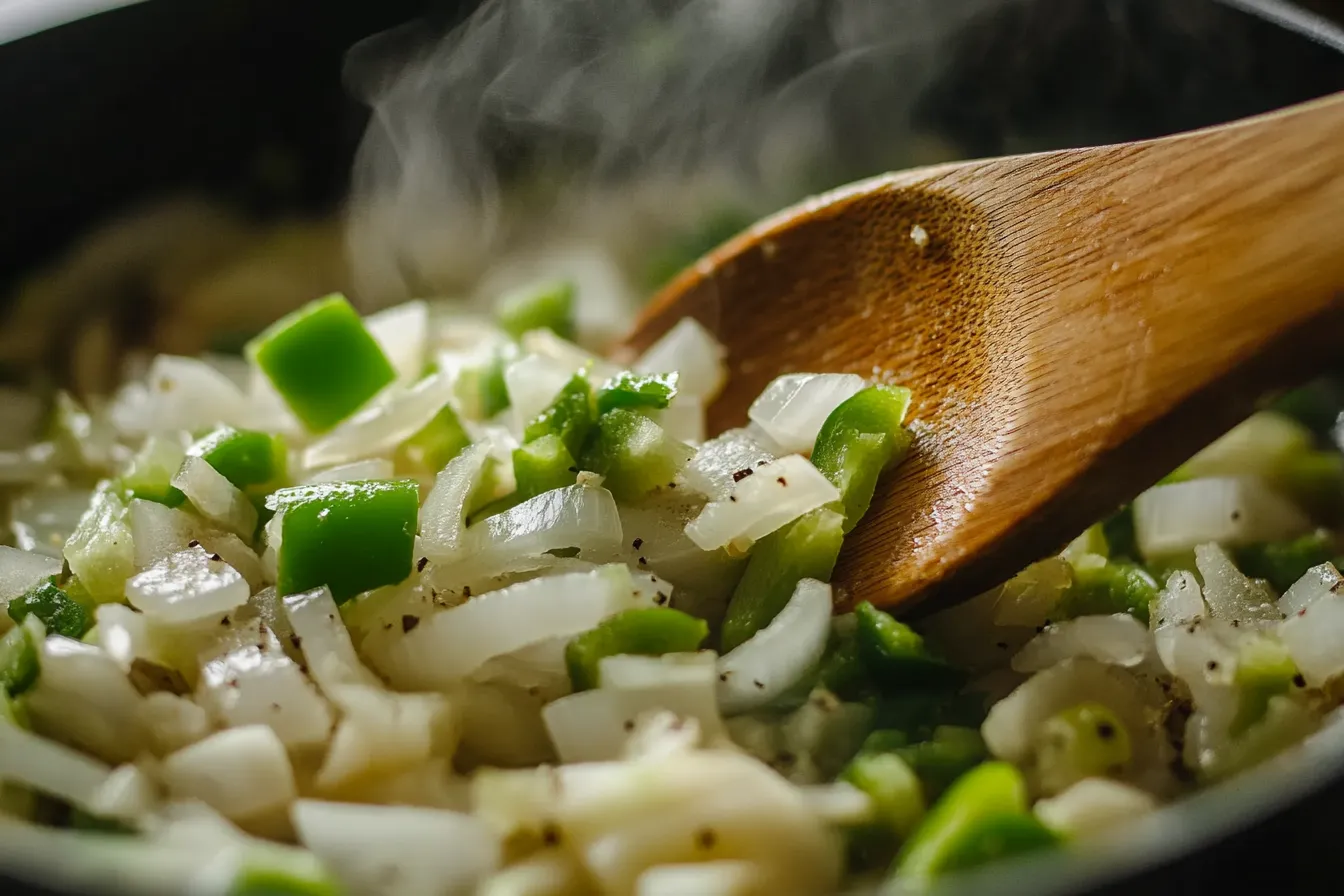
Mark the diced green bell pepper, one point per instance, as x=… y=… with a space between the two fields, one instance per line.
x=896 y=655
x=571 y=416
x=893 y=787
x=634 y=454
x=1317 y=405
x=997 y=837
x=1315 y=481
x=539 y=306
x=18 y=660
x=1118 y=530
x=1264 y=670
x=1108 y=588
x=151 y=471
x=952 y=751
x=438 y=441
x=648 y=631
x=1282 y=563
x=918 y=714
x=283 y=872
x=862 y=437
x=349 y=536
x=255 y=462
x=637 y=390
x=323 y=361
x=541 y=465
x=85 y=821
x=61 y=614
x=804 y=549
x=843 y=671
x=1083 y=741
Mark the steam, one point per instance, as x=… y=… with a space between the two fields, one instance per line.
x=616 y=121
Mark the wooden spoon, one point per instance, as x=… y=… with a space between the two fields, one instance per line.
x=1074 y=325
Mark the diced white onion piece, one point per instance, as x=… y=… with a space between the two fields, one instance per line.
x=1258 y=446
x=533 y=382
x=442 y=518
x=1171 y=519
x=324 y=640
x=1314 y=636
x=83 y=699
x=539 y=668
x=431 y=851
x=382 y=732
x=21 y=570
x=724 y=878
x=241 y=772
x=1229 y=594
x=693 y=353
x=1204 y=656
x=573 y=358
x=215 y=497
x=180 y=394
x=1119 y=639
x=575 y=516
x=402 y=332
x=779 y=655
x=776 y=494
x=43 y=518
x=266 y=410
x=683 y=419
x=1316 y=583
x=1093 y=805
x=387 y=421
x=546 y=873
x=711 y=471
x=1180 y=602
x=252 y=685
x=1028 y=598
x=451 y=644
x=662 y=733
x=355 y=471
x=839 y=803
x=52 y=768
x=171 y=722
x=159 y=531
x=122 y=633
x=633 y=672
x=793 y=407
x=128 y=795
x=187 y=586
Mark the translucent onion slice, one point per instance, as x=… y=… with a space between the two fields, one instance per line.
x=382 y=733
x=179 y=394
x=83 y=699
x=387 y=421
x=691 y=351
x=325 y=641
x=722 y=878
x=1231 y=595
x=1316 y=583
x=1171 y=519
x=128 y=795
x=355 y=471
x=1119 y=639
x=793 y=407
x=242 y=773
x=576 y=516
x=776 y=494
x=452 y=644
x=713 y=468
x=1180 y=602
x=432 y=850
x=1314 y=636
x=52 y=768
x=778 y=656
x=443 y=516
x=159 y=531
x=402 y=332
x=215 y=497
x=186 y=587
x=533 y=382
x=568 y=355
x=257 y=684
x=1093 y=805
x=21 y=570
x=683 y=419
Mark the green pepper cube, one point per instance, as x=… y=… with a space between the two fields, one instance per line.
x=492 y=391
x=860 y=439
x=349 y=536
x=541 y=465
x=151 y=471
x=989 y=790
x=807 y=548
x=253 y=461
x=998 y=837
x=843 y=672
x=895 y=654
x=547 y=306
x=1084 y=741
x=570 y=416
x=323 y=361
x=437 y=442
x=893 y=787
x=18 y=660
x=952 y=751
x=634 y=454
x=1264 y=670
x=637 y=390
x=1282 y=563
x=273 y=871
x=1108 y=588
x=649 y=631
x=59 y=612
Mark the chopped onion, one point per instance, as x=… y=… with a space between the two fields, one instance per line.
x=324 y=640
x=355 y=471
x=171 y=722
x=122 y=633
x=533 y=382
x=793 y=407
x=1258 y=446
x=501 y=726
x=840 y=803
x=1316 y=583
x=21 y=570
x=1314 y=636
x=187 y=586
x=215 y=497
x=546 y=344
x=683 y=419
x=1171 y=519
x=402 y=332
x=1093 y=805
x=1119 y=639
x=545 y=873
x=381 y=733
x=779 y=655
x=539 y=668
x=1203 y=655
x=180 y=393
x=776 y=494
x=159 y=531
x=662 y=733
x=443 y=516
x=50 y=767
x=1180 y=603
x=258 y=685
x=633 y=672
x=692 y=352
x=428 y=850
x=1229 y=594
x=722 y=878
x=83 y=699
x=388 y=420
x=242 y=772
x=127 y=795
x=576 y=516
x=711 y=471
x=451 y=644
x=266 y=410
x=1029 y=597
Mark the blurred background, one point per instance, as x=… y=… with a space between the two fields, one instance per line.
x=177 y=175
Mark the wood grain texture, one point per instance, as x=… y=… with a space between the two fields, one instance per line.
x=1077 y=324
